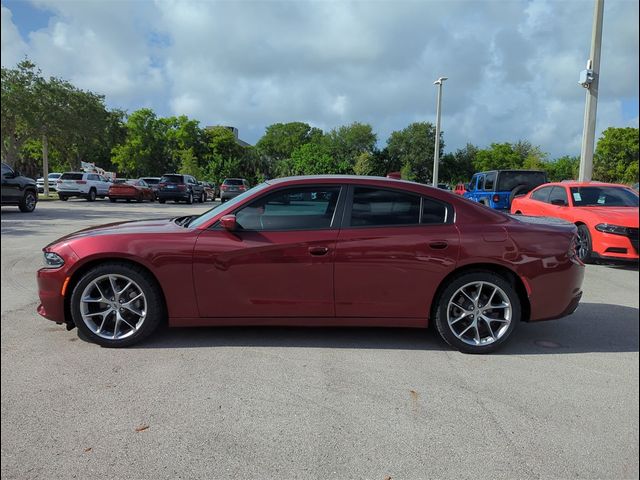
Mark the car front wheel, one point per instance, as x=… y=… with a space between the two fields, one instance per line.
x=584 y=245
x=116 y=304
x=477 y=312
x=28 y=202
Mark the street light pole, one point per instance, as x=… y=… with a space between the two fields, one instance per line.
x=590 y=79
x=436 y=152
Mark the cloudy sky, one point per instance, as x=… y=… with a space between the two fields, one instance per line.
x=512 y=65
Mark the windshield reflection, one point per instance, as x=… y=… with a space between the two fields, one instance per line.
x=209 y=214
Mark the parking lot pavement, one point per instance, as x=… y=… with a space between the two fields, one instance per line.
x=560 y=401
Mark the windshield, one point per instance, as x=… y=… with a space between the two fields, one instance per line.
x=507 y=180
x=208 y=215
x=603 y=197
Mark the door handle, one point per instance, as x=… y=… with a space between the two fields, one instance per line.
x=318 y=251
x=438 y=245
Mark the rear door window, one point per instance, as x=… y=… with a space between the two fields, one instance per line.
x=481 y=182
x=373 y=207
x=490 y=181
x=542 y=194
x=435 y=212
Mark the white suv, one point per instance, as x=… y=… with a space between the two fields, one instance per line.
x=79 y=184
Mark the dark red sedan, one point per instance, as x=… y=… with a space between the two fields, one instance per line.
x=128 y=190
x=317 y=251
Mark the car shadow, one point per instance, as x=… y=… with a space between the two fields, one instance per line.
x=593 y=327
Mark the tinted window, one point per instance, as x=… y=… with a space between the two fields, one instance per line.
x=233 y=181
x=490 y=181
x=6 y=169
x=481 y=182
x=508 y=180
x=72 y=176
x=603 y=197
x=374 y=207
x=433 y=212
x=172 y=179
x=472 y=183
x=152 y=181
x=557 y=194
x=542 y=194
x=291 y=209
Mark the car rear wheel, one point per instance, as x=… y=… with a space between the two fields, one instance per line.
x=519 y=190
x=190 y=199
x=112 y=200
x=477 y=312
x=203 y=197
x=161 y=200
x=64 y=198
x=91 y=197
x=584 y=247
x=28 y=202
x=117 y=304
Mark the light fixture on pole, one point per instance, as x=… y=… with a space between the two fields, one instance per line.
x=436 y=152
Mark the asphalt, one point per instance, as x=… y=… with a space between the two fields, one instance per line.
x=559 y=401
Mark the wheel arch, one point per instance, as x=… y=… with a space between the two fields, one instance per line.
x=500 y=270
x=77 y=274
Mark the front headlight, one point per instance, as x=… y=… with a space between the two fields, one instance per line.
x=614 y=229
x=52 y=260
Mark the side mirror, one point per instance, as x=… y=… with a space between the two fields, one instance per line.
x=558 y=202
x=229 y=223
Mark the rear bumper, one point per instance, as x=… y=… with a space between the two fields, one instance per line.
x=557 y=293
x=172 y=195
x=228 y=195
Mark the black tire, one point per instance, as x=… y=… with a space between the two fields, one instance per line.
x=64 y=198
x=190 y=199
x=519 y=190
x=203 y=197
x=450 y=293
x=139 y=199
x=112 y=200
x=28 y=201
x=91 y=197
x=584 y=249
x=155 y=311
x=161 y=200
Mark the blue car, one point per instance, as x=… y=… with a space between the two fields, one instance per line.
x=497 y=188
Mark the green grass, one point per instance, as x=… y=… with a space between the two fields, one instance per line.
x=42 y=198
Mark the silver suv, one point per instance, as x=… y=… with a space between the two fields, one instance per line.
x=80 y=184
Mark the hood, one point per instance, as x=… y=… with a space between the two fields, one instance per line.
x=165 y=225
x=624 y=216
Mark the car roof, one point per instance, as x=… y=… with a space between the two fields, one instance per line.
x=341 y=179
x=575 y=183
x=511 y=170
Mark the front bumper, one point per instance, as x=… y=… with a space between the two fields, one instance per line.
x=54 y=285
x=608 y=246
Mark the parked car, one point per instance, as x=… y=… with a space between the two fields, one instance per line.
x=318 y=251
x=232 y=187
x=81 y=184
x=606 y=215
x=498 y=188
x=460 y=189
x=210 y=190
x=53 y=179
x=178 y=187
x=153 y=184
x=444 y=186
x=128 y=190
x=18 y=190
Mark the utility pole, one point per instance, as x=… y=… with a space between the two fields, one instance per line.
x=590 y=79
x=436 y=152
x=45 y=163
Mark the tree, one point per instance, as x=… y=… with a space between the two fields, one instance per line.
x=616 y=156
x=315 y=159
x=411 y=151
x=181 y=134
x=563 y=168
x=458 y=167
x=505 y=156
x=143 y=151
x=348 y=142
x=189 y=164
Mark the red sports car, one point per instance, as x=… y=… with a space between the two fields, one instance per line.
x=606 y=215
x=137 y=190
x=318 y=251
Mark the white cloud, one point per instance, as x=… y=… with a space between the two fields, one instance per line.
x=512 y=66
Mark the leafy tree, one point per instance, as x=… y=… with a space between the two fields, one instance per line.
x=563 y=168
x=181 y=134
x=315 y=159
x=348 y=142
x=281 y=139
x=616 y=156
x=411 y=150
x=458 y=166
x=189 y=163
x=501 y=156
x=143 y=151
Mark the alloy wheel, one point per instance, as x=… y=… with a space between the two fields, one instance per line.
x=479 y=313
x=113 y=306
